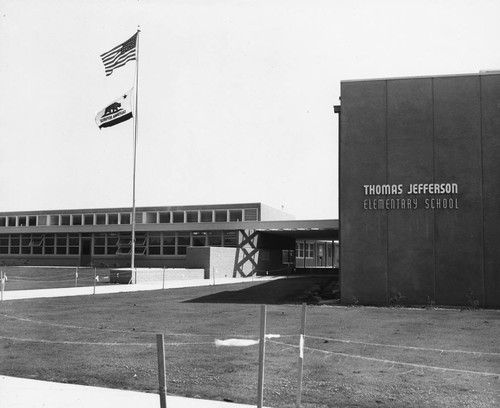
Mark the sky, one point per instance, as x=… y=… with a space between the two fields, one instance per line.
x=235 y=96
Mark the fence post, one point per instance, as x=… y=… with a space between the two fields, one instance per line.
x=301 y=355
x=262 y=352
x=95 y=277
x=2 y=283
x=162 y=380
x=76 y=277
x=163 y=278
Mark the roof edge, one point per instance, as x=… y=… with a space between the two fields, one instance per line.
x=480 y=73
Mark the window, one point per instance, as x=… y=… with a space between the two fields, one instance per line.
x=77 y=219
x=3 y=221
x=14 y=244
x=164 y=218
x=61 y=244
x=220 y=216
x=112 y=244
x=169 y=243
x=230 y=238
x=65 y=219
x=206 y=216
x=235 y=215
x=22 y=221
x=124 y=244
x=113 y=218
x=36 y=244
x=183 y=241
x=125 y=218
x=214 y=238
x=53 y=219
x=191 y=216
x=12 y=221
x=42 y=220
x=32 y=220
x=179 y=216
x=73 y=244
x=100 y=219
x=4 y=244
x=251 y=214
x=49 y=244
x=140 y=243
x=25 y=244
x=300 y=249
x=150 y=218
x=309 y=250
x=99 y=244
x=154 y=243
x=199 y=238
x=88 y=219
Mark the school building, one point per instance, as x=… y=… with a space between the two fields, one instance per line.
x=231 y=239
x=420 y=190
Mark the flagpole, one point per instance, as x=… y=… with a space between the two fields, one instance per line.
x=132 y=262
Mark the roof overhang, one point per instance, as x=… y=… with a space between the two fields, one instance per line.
x=305 y=229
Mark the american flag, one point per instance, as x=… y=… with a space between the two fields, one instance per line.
x=120 y=55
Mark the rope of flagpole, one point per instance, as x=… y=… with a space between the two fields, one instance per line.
x=136 y=120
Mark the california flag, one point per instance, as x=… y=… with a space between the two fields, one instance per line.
x=116 y=112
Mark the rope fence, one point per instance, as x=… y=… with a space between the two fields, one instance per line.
x=24 y=277
x=297 y=344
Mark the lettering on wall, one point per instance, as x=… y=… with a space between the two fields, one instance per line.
x=430 y=196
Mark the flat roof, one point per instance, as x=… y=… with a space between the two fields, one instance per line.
x=481 y=73
x=137 y=208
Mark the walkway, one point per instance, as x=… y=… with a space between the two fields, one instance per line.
x=120 y=288
x=25 y=393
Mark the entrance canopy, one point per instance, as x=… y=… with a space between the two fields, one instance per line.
x=302 y=230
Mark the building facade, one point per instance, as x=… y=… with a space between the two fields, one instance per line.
x=419 y=190
x=245 y=239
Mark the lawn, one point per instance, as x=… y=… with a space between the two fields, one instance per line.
x=354 y=357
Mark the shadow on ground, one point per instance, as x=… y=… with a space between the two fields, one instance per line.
x=314 y=289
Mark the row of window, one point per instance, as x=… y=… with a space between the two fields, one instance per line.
x=141 y=217
x=150 y=243
x=309 y=249
x=302 y=248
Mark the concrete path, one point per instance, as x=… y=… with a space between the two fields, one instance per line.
x=119 y=288
x=26 y=393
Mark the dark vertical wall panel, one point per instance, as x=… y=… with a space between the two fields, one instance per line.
x=458 y=246
x=490 y=112
x=410 y=161
x=363 y=156
x=419 y=131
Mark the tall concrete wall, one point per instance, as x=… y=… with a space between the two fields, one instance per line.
x=403 y=133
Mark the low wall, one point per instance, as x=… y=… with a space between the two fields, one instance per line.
x=216 y=261
x=156 y=275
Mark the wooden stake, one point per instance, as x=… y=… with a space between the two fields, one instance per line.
x=262 y=352
x=2 y=283
x=162 y=380
x=301 y=355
